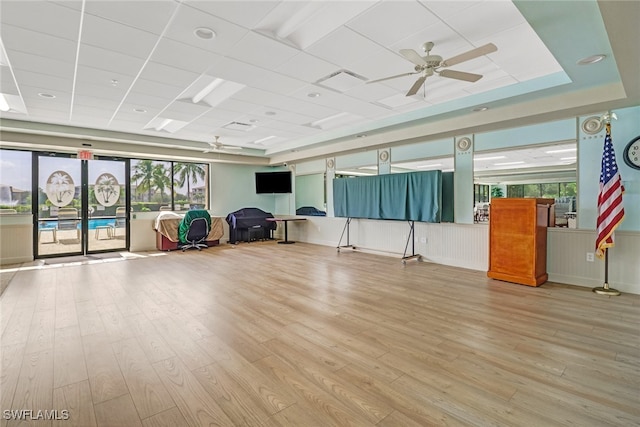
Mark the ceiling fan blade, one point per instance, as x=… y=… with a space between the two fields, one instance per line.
x=416 y=86
x=460 y=75
x=392 y=77
x=413 y=56
x=473 y=53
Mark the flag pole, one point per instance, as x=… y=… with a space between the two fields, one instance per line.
x=609 y=160
x=605 y=289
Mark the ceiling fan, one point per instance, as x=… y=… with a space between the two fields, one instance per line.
x=429 y=64
x=218 y=146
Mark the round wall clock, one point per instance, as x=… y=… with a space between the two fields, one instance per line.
x=631 y=153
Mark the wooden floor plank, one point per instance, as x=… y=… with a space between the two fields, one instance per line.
x=308 y=336
x=68 y=357
x=148 y=394
x=104 y=373
x=76 y=400
x=117 y=412
x=196 y=405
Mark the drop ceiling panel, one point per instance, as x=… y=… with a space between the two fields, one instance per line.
x=147 y=15
x=96 y=102
x=245 y=13
x=185 y=111
x=47 y=115
x=187 y=19
x=42 y=17
x=183 y=56
x=148 y=102
x=119 y=37
x=353 y=48
x=446 y=9
x=262 y=51
x=104 y=59
x=162 y=73
x=21 y=40
x=7 y=83
x=306 y=67
x=102 y=91
x=25 y=61
x=482 y=20
x=156 y=89
x=42 y=81
x=391 y=21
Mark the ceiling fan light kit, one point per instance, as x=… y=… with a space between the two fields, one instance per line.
x=429 y=65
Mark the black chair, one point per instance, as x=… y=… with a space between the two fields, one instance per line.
x=197 y=234
x=194 y=229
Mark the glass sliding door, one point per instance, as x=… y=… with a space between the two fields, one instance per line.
x=81 y=205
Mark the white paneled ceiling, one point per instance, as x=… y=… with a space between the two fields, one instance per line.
x=296 y=72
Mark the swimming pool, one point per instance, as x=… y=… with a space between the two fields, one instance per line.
x=93 y=223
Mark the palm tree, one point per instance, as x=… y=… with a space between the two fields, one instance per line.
x=188 y=173
x=143 y=176
x=106 y=186
x=160 y=179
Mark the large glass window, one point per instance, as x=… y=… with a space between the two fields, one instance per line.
x=15 y=181
x=190 y=189
x=158 y=185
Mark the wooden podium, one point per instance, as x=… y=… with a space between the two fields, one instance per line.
x=518 y=239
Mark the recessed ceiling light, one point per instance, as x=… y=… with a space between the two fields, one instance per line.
x=139 y=110
x=270 y=113
x=204 y=33
x=254 y=121
x=114 y=82
x=362 y=135
x=591 y=59
x=313 y=95
x=46 y=95
x=477 y=109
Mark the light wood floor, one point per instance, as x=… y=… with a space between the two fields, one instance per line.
x=299 y=335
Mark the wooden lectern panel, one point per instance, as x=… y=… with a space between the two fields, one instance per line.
x=518 y=239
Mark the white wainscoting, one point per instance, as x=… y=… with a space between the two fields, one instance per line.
x=467 y=246
x=16 y=239
x=567 y=259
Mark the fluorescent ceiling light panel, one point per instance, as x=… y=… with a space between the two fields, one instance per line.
x=341 y=81
x=353 y=173
x=433 y=165
x=4 y=105
x=371 y=168
x=163 y=124
x=211 y=91
x=12 y=104
x=568 y=158
x=298 y=19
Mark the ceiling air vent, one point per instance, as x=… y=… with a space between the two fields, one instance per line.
x=242 y=127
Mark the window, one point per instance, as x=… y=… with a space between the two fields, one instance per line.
x=190 y=189
x=159 y=185
x=15 y=181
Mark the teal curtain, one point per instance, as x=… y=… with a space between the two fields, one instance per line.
x=414 y=196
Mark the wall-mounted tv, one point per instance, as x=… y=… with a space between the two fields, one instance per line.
x=273 y=182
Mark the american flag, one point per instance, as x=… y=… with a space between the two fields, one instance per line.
x=610 y=208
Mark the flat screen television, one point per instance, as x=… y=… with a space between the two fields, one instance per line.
x=273 y=182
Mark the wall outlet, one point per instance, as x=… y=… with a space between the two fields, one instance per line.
x=589 y=256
